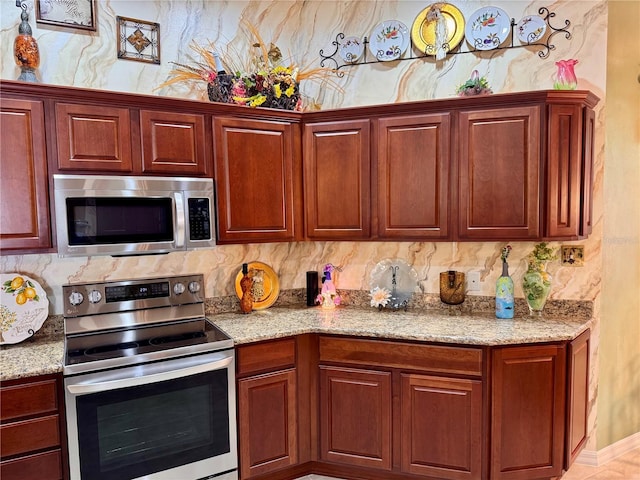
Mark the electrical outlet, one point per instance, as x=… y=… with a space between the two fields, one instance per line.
x=572 y=255
x=473 y=281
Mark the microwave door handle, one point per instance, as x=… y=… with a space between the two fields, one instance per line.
x=180 y=220
x=83 y=389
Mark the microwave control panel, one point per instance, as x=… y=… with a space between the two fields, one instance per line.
x=199 y=219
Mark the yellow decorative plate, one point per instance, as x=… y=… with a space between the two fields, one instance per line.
x=423 y=31
x=266 y=286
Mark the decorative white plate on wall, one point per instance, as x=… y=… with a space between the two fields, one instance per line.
x=351 y=49
x=531 y=28
x=487 y=28
x=23 y=307
x=389 y=40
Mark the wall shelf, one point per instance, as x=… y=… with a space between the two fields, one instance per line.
x=544 y=47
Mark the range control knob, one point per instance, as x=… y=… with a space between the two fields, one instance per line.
x=178 y=288
x=194 y=287
x=76 y=298
x=95 y=296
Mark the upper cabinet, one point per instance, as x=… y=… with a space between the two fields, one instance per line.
x=258 y=180
x=502 y=167
x=413 y=170
x=499 y=168
x=337 y=182
x=125 y=140
x=499 y=165
x=24 y=216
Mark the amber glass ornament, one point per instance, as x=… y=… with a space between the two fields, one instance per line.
x=25 y=49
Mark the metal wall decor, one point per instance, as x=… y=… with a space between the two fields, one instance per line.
x=543 y=44
x=138 y=40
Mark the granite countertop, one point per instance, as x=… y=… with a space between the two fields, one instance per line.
x=426 y=326
x=43 y=353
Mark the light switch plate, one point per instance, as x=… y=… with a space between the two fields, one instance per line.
x=473 y=281
x=572 y=255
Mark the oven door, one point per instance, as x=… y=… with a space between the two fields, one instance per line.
x=165 y=420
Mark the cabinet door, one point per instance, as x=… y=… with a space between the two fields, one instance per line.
x=337 y=185
x=528 y=412
x=355 y=417
x=569 y=172
x=499 y=174
x=441 y=427
x=257 y=172
x=173 y=143
x=24 y=216
x=577 y=397
x=413 y=158
x=267 y=426
x=91 y=138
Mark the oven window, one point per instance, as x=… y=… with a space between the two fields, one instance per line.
x=132 y=432
x=106 y=220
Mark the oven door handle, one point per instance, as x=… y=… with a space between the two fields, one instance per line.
x=85 y=388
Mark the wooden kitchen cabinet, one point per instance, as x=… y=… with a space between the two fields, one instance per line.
x=337 y=180
x=267 y=407
x=413 y=172
x=355 y=416
x=441 y=422
x=578 y=352
x=499 y=165
x=24 y=217
x=528 y=412
x=402 y=408
x=569 y=169
x=125 y=140
x=259 y=180
x=32 y=430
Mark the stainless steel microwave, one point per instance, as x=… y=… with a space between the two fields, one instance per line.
x=127 y=215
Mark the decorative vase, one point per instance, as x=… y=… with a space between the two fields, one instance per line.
x=565 y=77
x=25 y=49
x=536 y=285
x=504 y=294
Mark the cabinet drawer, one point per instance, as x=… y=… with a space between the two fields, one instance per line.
x=42 y=466
x=267 y=356
x=434 y=358
x=36 y=398
x=29 y=435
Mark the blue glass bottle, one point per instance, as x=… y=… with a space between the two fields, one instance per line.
x=504 y=293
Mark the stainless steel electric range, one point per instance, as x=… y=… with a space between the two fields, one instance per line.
x=149 y=382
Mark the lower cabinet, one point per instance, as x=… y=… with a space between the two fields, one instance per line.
x=32 y=430
x=355 y=416
x=441 y=426
x=528 y=412
x=353 y=407
x=267 y=407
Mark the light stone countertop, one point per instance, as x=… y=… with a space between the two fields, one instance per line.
x=426 y=326
x=44 y=353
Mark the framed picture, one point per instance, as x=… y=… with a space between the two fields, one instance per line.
x=138 y=40
x=67 y=13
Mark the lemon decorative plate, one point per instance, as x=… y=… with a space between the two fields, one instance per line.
x=266 y=286
x=23 y=307
x=423 y=31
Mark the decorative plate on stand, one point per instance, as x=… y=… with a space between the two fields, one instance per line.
x=266 y=286
x=531 y=28
x=389 y=40
x=351 y=49
x=488 y=28
x=423 y=31
x=398 y=278
x=23 y=307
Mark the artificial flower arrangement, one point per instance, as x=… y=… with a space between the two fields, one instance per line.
x=264 y=80
x=476 y=85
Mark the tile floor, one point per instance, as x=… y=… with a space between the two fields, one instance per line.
x=625 y=467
